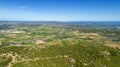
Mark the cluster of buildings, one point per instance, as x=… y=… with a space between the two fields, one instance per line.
x=11 y=31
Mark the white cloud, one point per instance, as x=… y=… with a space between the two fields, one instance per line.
x=23 y=7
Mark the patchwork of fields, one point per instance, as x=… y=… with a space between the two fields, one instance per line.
x=59 y=45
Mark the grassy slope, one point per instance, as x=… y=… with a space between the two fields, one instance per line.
x=92 y=55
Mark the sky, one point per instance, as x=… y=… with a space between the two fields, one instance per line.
x=60 y=10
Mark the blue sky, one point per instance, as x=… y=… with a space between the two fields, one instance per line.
x=60 y=10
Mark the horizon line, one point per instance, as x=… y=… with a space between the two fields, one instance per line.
x=65 y=20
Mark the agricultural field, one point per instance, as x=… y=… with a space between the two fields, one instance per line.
x=59 y=44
